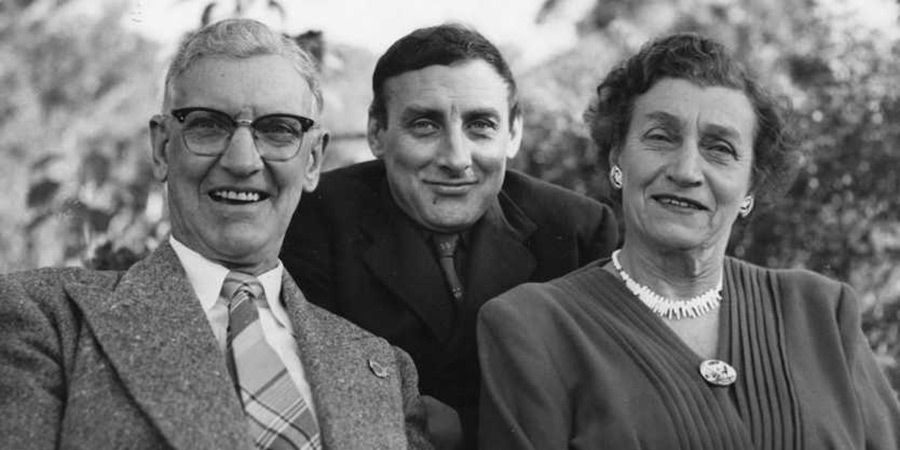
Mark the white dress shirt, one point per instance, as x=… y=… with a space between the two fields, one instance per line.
x=207 y=277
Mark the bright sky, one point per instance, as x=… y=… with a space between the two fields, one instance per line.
x=374 y=25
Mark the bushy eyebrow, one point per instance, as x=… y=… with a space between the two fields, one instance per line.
x=416 y=112
x=437 y=115
x=481 y=113
x=664 y=118
x=723 y=131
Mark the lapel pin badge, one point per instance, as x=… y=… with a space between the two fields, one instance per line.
x=376 y=368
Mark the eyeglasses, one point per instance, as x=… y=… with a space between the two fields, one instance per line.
x=208 y=132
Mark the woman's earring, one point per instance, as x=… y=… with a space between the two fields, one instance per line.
x=746 y=206
x=615 y=177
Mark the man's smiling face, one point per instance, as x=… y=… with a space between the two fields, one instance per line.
x=234 y=208
x=447 y=136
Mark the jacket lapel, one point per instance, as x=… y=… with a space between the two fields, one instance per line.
x=338 y=367
x=157 y=337
x=498 y=257
x=402 y=260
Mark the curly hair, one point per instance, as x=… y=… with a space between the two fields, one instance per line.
x=705 y=62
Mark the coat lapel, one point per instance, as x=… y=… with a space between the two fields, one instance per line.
x=339 y=362
x=157 y=337
x=401 y=259
x=498 y=257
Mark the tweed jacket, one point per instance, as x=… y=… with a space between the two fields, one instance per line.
x=92 y=359
x=357 y=254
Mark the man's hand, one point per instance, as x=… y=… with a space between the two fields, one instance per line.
x=444 y=427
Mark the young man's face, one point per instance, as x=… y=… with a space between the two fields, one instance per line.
x=445 y=142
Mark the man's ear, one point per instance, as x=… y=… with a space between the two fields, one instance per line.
x=515 y=142
x=314 y=161
x=373 y=136
x=159 y=143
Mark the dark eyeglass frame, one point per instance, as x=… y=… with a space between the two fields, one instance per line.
x=306 y=124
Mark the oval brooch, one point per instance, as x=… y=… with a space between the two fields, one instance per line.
x=717 y=373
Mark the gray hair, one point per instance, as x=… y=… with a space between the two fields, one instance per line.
x=243 y=38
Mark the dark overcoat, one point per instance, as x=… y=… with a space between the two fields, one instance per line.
x=356 y=254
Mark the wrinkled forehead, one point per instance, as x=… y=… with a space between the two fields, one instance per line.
x=677 y=103
x=267 y=82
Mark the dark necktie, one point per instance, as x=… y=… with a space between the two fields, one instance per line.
x=278 y=416
x=446 y=247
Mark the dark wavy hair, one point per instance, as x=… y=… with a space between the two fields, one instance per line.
x=444 y=45
x=705 y=62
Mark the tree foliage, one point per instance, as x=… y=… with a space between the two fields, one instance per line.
x=73 y=142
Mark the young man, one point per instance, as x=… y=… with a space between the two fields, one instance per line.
x=411 y=245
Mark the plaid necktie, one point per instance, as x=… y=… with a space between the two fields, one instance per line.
x=277 y=414
x=446 y=247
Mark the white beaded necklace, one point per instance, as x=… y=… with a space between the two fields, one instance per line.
x=668 y=308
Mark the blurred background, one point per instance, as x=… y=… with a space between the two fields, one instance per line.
x=79 y=80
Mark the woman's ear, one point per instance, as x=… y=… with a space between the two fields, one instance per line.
x=614 y=154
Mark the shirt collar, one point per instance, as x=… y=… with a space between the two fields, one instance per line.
x=207 y=277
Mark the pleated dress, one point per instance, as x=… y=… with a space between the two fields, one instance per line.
x=581 y=363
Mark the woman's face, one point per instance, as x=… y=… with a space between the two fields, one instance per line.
x=686 y=163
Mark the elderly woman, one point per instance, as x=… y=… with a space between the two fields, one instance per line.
x=670 y=344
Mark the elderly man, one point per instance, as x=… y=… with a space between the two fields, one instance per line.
x=207 y=343
x=411 y=245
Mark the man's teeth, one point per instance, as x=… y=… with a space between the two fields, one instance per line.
x=675 y=202
x=237 y=196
